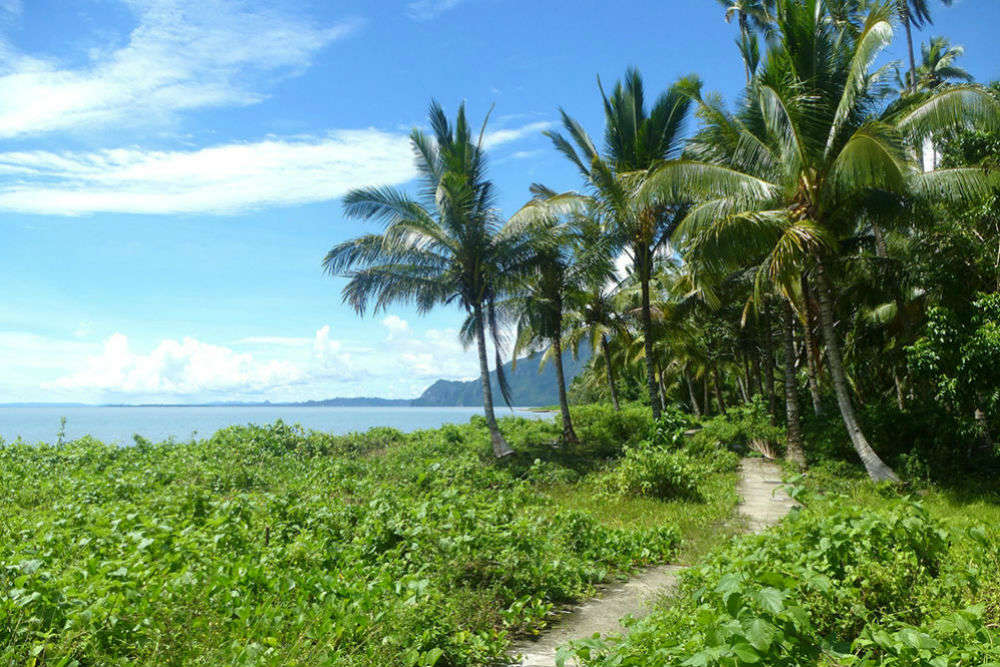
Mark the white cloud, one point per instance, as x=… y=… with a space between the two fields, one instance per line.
x=424 y=10
x=498 y=137
x=187 y=367
x=223 y=179
x=280 y=368
x=396 y=325
x=184 y=54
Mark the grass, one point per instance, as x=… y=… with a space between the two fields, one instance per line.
x=702 y=525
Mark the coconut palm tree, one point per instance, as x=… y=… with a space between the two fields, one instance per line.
x=448 y=246
x=625 y=183
x=807 y=150
x=752 y=16
x=938 y=66
x=914 y=14
x=569 y=255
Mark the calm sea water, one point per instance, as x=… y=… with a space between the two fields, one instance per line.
x=41 y=424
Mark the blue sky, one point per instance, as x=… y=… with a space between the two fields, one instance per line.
x=171 y=172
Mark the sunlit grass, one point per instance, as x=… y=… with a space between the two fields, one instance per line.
x=701 y=525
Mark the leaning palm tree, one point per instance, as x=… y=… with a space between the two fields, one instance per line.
x=639 y=142
x=446 y=247
x=808 y=151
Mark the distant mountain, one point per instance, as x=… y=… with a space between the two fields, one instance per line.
x=360 y=401
x=528 y=386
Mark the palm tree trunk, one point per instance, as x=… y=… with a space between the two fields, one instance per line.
x=708 y=399
x=647 y=335
x=741 y=384
x=694 y=399
x=569 y=435
x=745 y=34
x=812 y=352
x=718 y=389
x=772 y=401
x=877 y=469
x=611 y=371
x=500 y=446
x=904 y=14
x=794 y=451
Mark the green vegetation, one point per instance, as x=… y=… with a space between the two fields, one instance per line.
x=274 y=546
x=823 y=240
x=861 y=577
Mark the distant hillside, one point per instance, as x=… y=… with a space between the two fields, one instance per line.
x=360 y=401
x=528 y=387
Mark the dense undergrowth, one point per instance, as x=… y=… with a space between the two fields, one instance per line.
x=271 y=545
x=861 y=576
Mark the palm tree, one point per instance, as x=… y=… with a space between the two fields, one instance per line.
x=627 y=181
x=570 y=255
x=806 y=150
x=592 y=312
x=938 y=66
x=446 y=247
x=752 y=16
x=914 y=14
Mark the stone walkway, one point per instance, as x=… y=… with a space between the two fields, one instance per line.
x=762 y=504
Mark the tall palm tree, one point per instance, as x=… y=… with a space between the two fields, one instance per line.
x=569 y=255
x=446 y=247
x=914 y=14
x=752 y=16
x=806 y=151
x=627 y=181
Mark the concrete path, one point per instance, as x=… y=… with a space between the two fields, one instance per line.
x=762 y=504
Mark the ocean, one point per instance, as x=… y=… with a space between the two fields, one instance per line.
x=119 y=424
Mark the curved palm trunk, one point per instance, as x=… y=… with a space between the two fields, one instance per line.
x=794 y=452
x=500 y=446
x=569 y=435
x=611 y=371
x=694 y=399
x=877 y=469
x=647 y=337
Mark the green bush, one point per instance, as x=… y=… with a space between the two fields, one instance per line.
x=836 y=584
x=745 y=427
x=605 y=432
x=655 y=472
x=277 y=546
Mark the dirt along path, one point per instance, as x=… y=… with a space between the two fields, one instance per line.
x=762 y=504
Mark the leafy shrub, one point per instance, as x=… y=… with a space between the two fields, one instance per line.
x=746 y=426
x=605 y=433
x=655 y=472
x=271 y=545
x=840 y=582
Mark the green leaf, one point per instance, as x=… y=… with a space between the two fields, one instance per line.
x=746 y=653
x=761 y=635
x=771 y=599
